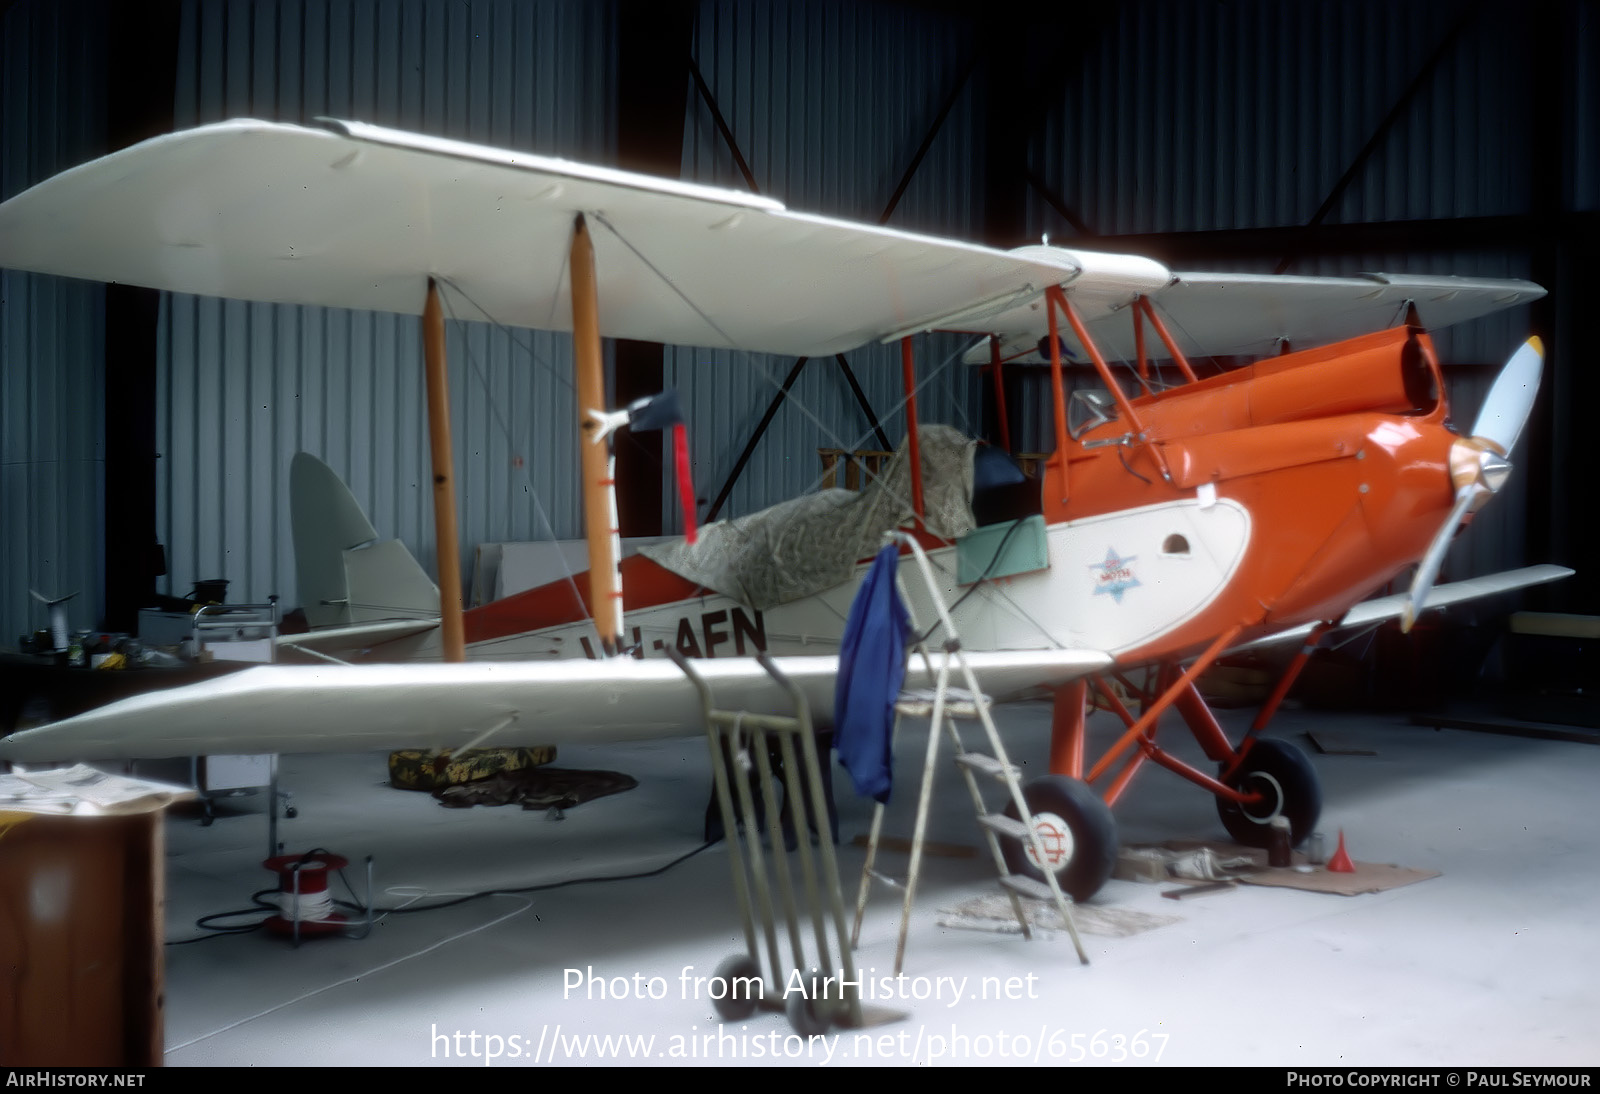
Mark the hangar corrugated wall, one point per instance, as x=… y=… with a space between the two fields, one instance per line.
x=245 y=386
x=1341 y=136
x=52 y=359
x=828 y=105
x=1182 y=125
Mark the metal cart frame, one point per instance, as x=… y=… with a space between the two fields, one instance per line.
x=829 y=997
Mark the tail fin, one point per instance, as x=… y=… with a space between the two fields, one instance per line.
x=345 y=575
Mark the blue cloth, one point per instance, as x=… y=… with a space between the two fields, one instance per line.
x=872 y=668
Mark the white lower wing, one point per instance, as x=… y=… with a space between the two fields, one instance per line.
x=1385 y=608
x=351 y=708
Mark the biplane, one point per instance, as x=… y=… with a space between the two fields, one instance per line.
x=1179 y=517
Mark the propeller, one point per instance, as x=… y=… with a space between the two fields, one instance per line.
x=1480 y=464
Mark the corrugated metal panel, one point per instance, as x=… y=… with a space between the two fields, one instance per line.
x=244 y=386
x=1200 y=117
x=51 y=336
x=1246 y=115
x=829 y=103
x=1583 y=124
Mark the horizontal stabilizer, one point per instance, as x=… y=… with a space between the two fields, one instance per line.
x=356 y=636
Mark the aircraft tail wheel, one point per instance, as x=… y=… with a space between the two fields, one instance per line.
x=1077 y=831
x=809 y=1013
x=738 y=978
x=1288 y=786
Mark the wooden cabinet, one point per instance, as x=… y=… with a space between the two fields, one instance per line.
x=81 y=962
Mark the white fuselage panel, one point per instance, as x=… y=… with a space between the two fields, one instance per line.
x=1115 y=582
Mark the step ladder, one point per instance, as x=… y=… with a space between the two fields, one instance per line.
x=943 y=706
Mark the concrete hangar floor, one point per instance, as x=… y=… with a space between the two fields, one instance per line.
x=1492 y=962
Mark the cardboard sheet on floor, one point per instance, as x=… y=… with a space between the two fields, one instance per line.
x=1370 y=877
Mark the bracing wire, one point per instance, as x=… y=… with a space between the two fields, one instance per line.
x=527 y=479
x=766 y=373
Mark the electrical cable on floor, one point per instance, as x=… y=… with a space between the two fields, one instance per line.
x=539 y=888
x=205 y=922
x=264 y=904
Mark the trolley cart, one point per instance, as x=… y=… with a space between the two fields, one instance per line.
x=764 y=881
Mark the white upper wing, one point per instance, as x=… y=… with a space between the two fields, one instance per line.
x=1213 y=314
x=351 y=708
x=360 y=218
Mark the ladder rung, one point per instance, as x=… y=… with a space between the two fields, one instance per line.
x=1006 y=826
x=1027 y=886
x=987 y=765
x=918 y=703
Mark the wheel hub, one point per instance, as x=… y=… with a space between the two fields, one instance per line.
x=1055 y=838
x=1271 y=798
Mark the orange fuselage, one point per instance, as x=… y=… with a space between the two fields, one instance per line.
x=1339 y=454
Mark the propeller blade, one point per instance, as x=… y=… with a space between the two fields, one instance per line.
x=1422 y=584
x=1505 y=410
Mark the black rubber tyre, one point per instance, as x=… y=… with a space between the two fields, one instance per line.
x=1289 y=787
x=1074 y=821
x=809 y=1014
x=739 y=973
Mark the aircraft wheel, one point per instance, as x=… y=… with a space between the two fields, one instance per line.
x=738 y=974
x=1288 y=786
x=1078 y=833
x=809 y=1013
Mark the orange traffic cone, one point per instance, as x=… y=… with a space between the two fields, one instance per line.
x=1340 y=862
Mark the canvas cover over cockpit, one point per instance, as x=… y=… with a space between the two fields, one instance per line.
x=812 y=543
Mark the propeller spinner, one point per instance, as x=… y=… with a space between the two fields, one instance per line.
x=1480 y=464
